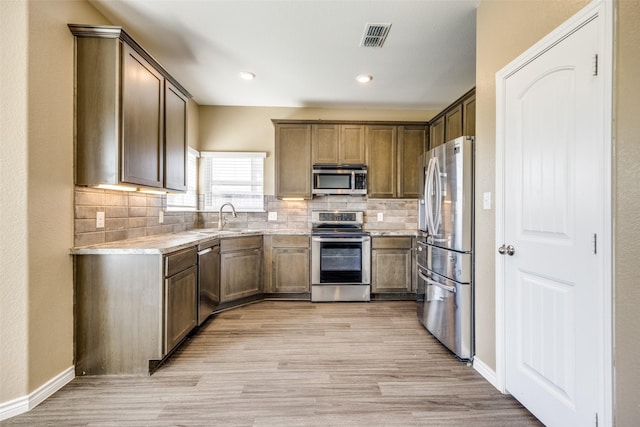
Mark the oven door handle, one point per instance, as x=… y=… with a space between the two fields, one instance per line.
x=439 y=285
x=341 y=239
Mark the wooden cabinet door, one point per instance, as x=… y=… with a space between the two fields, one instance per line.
x=469 y=115
x=381 y=161
x=324 y=143
x=436 y=132
x=175 y=139
x=293 y=161
x=240 y=274
x=180 y=299
x=453 y=123
x=290 y=270
x=411 y=145
x=391 y=265
x=142 y=121
x=352 y=145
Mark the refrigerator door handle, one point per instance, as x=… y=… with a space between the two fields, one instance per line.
x=438 y=182
x=432 y=196
x=427 y=192
x=439 y=285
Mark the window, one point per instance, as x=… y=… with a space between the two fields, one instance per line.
x=188 y=200
x=233 y=177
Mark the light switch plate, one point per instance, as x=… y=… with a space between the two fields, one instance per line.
x=99 y=219
x=273 y=216
x=486 y=200
x=380 y=216
x=161 y=217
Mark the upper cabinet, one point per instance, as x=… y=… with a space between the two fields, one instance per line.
x=142 y=121
x=175 y=137
x=130 y=114
x=456 y=120
x=293 y=161
x=392 y=160
x=412 y=143
x=337 y=144
x=382 y=171
x=389 y=149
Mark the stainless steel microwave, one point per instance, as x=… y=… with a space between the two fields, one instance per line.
x=339 y=179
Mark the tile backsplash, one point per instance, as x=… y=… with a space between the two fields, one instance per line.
x=131 y=215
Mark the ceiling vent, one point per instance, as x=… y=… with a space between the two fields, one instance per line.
x=375 y=35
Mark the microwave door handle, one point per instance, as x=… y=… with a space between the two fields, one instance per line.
x=353 y=180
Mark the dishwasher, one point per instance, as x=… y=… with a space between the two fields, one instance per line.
x=208 y=279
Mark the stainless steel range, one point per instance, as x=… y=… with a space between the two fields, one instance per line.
x=340 y=257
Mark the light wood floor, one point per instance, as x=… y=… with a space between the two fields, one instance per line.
x=282 y=363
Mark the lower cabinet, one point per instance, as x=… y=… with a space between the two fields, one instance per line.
x=392 y=265
x=240 y=267
x=131 y=310
x=287 y=259
x=180 y=299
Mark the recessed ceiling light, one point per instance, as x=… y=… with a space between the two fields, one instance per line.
x=364 y=78
x=247 y=75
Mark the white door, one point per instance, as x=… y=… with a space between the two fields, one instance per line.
x=553 y=215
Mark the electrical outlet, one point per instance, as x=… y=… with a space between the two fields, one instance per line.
x=273 y=216
x=380 y=216
x=99 y=219
x=161 y=217
x=486 y=200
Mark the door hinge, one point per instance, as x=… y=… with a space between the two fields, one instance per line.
x=595 y=244
x=596 y=419
x=595 y=64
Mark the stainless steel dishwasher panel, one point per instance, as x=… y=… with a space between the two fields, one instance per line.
x=208 y=279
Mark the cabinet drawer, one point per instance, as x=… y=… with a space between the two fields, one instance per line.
x=290 y=241
x=391 y=243
x=178 y=261
x=240 y=243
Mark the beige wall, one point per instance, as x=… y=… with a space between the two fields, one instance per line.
x=626 y=214
x=13 y=203
x=505 y=29
x=36 y=226
x=250 y=128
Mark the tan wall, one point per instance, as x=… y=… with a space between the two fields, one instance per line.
x=37 y=196
x=505 y=29
x=626 y=214
x=13 y=204
x=250 y=128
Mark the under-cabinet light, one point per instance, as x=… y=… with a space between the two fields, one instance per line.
x=116 y=187
x=291 y=199
x=144 y=190
x=364 y=78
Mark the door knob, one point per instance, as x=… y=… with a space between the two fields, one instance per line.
x=509 y=250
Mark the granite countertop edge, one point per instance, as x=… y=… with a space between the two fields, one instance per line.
x=172 y=242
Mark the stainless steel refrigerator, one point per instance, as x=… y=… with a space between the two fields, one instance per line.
x=445 y=248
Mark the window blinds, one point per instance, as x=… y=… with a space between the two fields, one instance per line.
x=233 y=177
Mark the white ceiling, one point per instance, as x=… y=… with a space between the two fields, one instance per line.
x=306 y=53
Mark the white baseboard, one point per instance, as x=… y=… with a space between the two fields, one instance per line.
x=26 y=403
x=484 y=370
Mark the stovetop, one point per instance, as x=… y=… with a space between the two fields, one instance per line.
x=337 y=222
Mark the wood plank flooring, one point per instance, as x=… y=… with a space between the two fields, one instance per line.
x=285 y=363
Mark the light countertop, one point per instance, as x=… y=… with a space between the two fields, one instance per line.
x=171 y=242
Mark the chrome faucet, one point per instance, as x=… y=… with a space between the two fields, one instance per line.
x=221 y=221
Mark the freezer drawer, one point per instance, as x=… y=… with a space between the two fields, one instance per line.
x=450 y=264
x=447 y=313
